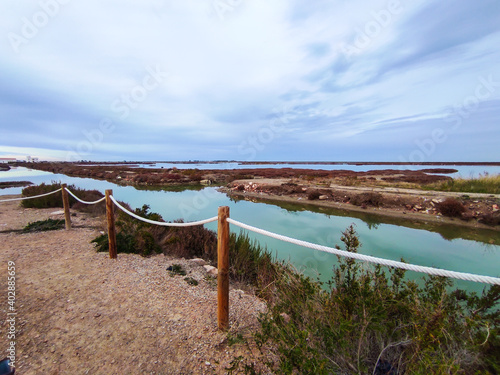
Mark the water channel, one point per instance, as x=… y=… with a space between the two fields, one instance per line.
x=437 y=245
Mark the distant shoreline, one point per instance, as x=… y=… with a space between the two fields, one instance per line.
x=449 y=163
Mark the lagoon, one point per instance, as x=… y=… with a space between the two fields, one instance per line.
x=463 y=171
x=445 y=247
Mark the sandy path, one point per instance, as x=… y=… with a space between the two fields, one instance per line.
x=78 y=312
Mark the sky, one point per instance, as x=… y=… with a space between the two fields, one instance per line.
x=252 y=80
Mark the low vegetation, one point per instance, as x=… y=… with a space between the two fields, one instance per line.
x=55 y=200
x=451 y=207
x=484 y=184
x=10 y=184
x=367 y=199
x=44 y=225
x=249 y=262
x=368 y=321
x=365 y=320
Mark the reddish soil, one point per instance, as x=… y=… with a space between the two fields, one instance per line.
x=127 y=174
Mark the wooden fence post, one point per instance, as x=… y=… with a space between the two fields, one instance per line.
x=223 y=269
x=111 y=225
x=65 y=199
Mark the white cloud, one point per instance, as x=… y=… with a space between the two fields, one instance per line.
x=228 y=72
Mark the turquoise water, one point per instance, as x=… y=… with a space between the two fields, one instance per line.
x=378 y=238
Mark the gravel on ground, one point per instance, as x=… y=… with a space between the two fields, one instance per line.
x=79 y=312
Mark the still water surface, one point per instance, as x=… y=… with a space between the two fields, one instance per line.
x=448 y=247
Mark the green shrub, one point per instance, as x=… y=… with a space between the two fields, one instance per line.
x=191 y=281
x=44 y=225
x=370 y=321
x=49 y=201
x=176 y=269
x=55 y=200
x=249 y=262
x=133 y=236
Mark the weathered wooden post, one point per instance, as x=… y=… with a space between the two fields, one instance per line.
x=65 y=199
x=223 y=269
x=111 y=224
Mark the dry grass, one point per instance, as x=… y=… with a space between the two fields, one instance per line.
x=483 y=184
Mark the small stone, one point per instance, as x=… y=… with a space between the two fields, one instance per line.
x=198 y=261
x=285 y=317
x=207 y=363
x=323 y=197
x=211 y=270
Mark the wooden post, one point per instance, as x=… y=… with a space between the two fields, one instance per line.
x=223 y=269
x=65 y=199
x=111 y=225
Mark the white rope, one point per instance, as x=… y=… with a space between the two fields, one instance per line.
x=36 y=196
x=201 y=222
x=79 y=200
x=371 y=259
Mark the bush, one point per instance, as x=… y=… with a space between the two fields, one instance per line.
x=451 y=207
x=313 y=195
x=368 y=321
x=44 y=225
x=55 y=200
x=49 y=201
x=248 y=263
x=368 y=199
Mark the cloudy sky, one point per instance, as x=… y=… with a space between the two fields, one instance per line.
x=395 y=80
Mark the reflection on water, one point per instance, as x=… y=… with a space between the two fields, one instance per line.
x=448 y=232
x=176 y=188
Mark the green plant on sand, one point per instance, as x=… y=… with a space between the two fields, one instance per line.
x=44 y=225
x=368 y=321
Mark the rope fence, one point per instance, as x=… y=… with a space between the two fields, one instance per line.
x=162 y=223
x=223 y=246
x=372 y=259
x=36 y=196
x=82 y=201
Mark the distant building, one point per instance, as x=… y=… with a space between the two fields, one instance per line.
x=31 y=159
x=7 y=160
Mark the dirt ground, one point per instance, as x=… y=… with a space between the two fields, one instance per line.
x=79 y=312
